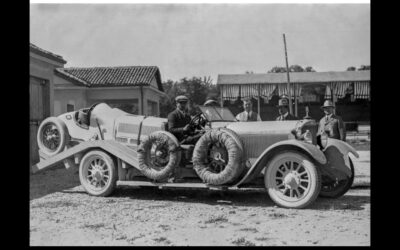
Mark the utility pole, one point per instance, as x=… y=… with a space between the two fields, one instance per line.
x=288 y=78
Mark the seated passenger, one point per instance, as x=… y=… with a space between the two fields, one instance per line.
x=178 y=122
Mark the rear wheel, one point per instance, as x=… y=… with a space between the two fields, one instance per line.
x=97 y=173
x=292 y=180
x=337 y=188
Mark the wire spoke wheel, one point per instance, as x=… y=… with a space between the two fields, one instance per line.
x=97 y=173
x=52 y=136
x=292 y=180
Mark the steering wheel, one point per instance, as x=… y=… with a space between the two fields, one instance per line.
x=198 y=121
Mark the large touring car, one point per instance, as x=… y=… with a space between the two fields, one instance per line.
x=112 y=147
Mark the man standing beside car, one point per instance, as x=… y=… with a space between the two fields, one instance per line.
x=248 y=115
x=283 y=108
x=331 y=124
x=179 y=122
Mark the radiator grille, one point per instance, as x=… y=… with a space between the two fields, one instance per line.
x=128 y=128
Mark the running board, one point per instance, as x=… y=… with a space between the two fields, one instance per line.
x=183 y=185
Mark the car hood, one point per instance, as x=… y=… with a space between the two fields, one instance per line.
x=263 y=127
x=257 y=136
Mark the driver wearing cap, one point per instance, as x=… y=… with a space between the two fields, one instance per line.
x=179 y=122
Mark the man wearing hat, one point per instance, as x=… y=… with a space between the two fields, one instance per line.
x=283 y=108
x=178 y=122
x=331 y=124
x=248 y=115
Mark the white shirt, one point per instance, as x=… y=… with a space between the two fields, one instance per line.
x=243 y=116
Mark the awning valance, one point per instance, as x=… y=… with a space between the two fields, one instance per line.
x=360 y=90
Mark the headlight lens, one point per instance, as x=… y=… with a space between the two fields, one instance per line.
x=324 y=140
x=307 y=136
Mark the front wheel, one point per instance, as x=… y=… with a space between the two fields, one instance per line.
x=292 y=180
x=97 y=173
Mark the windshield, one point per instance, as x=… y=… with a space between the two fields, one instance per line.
x=217 y=113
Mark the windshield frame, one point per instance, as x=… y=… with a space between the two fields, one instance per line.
x=216 y=111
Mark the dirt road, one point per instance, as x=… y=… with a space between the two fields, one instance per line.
x=63 y=214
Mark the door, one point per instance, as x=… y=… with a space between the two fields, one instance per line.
x=39 y=98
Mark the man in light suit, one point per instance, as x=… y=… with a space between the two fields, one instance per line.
x=331 y=124
x=283 y=107
x=248 y=115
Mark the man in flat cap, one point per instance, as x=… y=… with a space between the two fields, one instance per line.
x=178 y=122
x=331 y=124
x=248 y=115
x=283 y=108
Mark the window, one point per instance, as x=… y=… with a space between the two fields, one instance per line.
x=152 y=108
x=70 y=107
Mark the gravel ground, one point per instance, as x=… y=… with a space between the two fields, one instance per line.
x=61 y=213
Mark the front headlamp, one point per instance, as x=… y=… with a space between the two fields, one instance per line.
x=307 y=136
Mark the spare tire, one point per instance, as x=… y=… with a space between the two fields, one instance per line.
x=52 y=136
x=158 y=155
x=217 y=157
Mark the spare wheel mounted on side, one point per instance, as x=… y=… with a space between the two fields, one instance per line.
x=217 y=157
x=292 y=179
x=52 y=136
x=158 y=155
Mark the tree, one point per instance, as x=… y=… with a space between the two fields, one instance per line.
x=292 y=68
x=309 y=69
x=352 y=68
x=364 y=67
x=197 y=89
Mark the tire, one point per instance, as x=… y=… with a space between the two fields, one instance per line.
x=338 y=189
x=229 y=150
x=159 y=167
x=95 y=166
x=52 y=136
x=279 y=177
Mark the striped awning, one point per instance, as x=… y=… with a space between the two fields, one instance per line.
x=283 y=89
x=230 y=92
x=340 y=89
x=361 y=90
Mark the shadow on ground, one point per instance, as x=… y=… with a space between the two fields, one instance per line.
x=52 y=180
x=230 y=198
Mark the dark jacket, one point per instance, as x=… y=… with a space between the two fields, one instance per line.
x=176 y=122
x=289 y=117
x=333 y=126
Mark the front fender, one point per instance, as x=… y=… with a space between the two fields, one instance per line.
x=309 y=149
x=337 y=154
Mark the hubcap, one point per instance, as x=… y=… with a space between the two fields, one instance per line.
x=51 y=137
x=98 y=173
x=292 y=179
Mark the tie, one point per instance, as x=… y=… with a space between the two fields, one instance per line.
x=248 y=116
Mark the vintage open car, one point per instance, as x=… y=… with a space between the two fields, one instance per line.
x=288 y=158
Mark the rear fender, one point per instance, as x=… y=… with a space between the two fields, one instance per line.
x=309 y=149
x=337 y=154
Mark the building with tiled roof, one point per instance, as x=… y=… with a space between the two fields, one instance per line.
x=41 y=90
x=135 y=89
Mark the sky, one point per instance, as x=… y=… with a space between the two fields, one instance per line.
x=186 y=40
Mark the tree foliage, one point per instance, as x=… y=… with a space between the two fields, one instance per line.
x=292 y=68
x=197 y=89
x=362 y=67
